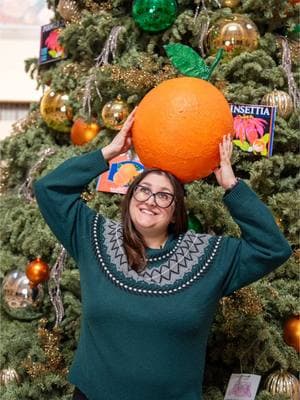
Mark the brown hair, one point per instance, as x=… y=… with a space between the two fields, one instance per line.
x=134 y=244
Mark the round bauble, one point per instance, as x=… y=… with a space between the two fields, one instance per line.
x=55 y=111
x=281 y=100
x=194 y=224
x=114 y=113
x=178 y=127
x=291 y=332
x=83 y=132
x=154 y=15
x=235 y=33
x=37 y=271
x=282 y=382
x=19 y=299
x=9 y=375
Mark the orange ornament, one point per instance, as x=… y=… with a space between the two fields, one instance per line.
x=83 y=132
x=178 y=127
x=291 y=332
x=37 y=271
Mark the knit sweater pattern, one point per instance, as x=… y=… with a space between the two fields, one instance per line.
x=143 y=335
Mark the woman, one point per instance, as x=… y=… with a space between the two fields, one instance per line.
x=150 y=288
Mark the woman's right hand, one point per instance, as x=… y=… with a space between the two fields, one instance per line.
x=122 y=141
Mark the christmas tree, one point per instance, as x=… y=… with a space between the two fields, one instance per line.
x=106 y=56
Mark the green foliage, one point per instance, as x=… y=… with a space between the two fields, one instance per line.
x=254 y=341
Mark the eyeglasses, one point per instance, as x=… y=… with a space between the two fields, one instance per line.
x=162 y=199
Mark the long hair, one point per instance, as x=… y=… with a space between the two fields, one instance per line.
x=134 y=243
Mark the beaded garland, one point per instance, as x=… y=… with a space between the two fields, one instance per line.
x=189 y=259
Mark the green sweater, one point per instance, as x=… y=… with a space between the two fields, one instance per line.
x=143 y=336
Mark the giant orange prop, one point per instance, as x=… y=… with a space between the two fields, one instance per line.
x=178 y=127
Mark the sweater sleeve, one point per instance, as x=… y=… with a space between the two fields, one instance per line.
x=261 y=248
x=58 y=197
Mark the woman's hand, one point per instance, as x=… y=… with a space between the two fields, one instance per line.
x=224 y=174
x=122 y=141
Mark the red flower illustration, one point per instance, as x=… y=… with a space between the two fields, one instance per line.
x=248 y=127
x=52 y=41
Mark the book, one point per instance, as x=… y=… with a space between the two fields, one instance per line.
x=254 y=128
x=122 y=171
x=50 y=47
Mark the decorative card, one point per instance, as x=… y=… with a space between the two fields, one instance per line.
x=242 y=387
x=50 y=47
x=254 y=128
x=122 y=171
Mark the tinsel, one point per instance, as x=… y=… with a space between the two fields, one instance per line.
x=49 y=341
x=138 y=79
x=3 y=176
x=26 y=188
x=23 y=124
x=94 y=7
x=203 y=26
x=287 y=66
x=245 y=301
x=109 y=48
x=54 y=286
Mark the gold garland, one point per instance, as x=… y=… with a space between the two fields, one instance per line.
x=137 y=79
x=4 y=174
x=30 y=120
x=95 y=7
x=49 y=341
x=243 y=302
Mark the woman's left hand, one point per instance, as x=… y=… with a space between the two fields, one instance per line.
x=224 y=174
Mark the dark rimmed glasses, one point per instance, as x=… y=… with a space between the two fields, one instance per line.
x=161 y=199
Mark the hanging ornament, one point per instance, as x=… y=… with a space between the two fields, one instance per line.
x=26 y=189
x=282 y=382
x=54 y=285
x=194 y=224
x=281 y=100
x=55 y=111
x=230 y=3
x=69 y=11
x=83 y=132
x=9 y=375
x=291 y=332
x=109 y=50
x=235 y=33
x=19 y=299
x=37 y=271
x=114 y=113
x=154 y=15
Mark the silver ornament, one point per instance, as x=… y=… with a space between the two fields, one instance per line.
x=19 y=300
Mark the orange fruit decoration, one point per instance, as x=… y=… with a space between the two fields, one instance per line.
x=178 y=126
x=37 y=271
x=83 y=132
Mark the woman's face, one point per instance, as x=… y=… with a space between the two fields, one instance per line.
x=147 y=217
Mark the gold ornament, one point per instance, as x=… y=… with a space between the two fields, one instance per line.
x=114 y=113
x=19 y=300
x=55 y=111
x=234 y=33
x=8 y=375
x=230 y=3
x=291 y=332
x=69 y=11
x=49 y=341
x=282 y=382
x=281 y=100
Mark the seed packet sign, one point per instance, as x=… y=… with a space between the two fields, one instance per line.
x=122 y=171
x=242 y=387
x=254 y=128
x=50 y=47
